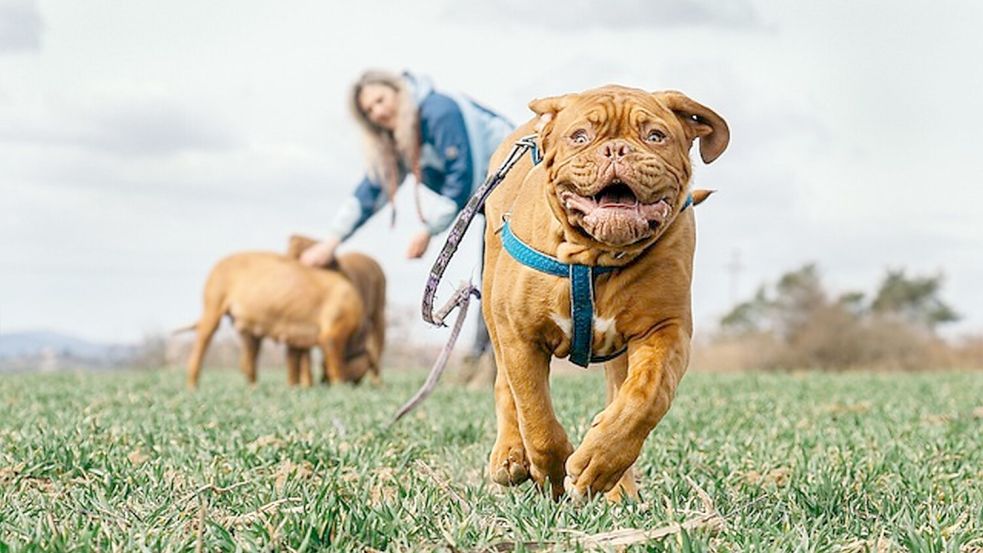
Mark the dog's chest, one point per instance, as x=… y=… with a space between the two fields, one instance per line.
x=542 y=311
x=606 y=338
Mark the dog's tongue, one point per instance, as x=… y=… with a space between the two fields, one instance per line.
x=615 y=196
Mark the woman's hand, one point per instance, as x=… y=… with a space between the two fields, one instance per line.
x=320 y=254
x=418 y=245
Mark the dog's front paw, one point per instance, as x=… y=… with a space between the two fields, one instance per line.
x=508 y=464
x=546 y=464
x=549 y=478
x=600 y=463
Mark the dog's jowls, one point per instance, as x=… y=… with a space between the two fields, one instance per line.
x=610 y=191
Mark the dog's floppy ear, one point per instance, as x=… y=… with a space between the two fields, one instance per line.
x=551 y=105
x=700 y=122
x=297 y=244
x=547 y=108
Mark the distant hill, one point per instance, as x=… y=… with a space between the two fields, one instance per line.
x=46 y=351
x=31 y=343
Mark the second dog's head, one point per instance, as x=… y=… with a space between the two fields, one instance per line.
x=617 y=159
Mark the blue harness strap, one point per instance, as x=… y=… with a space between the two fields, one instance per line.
x=581 y=313
x=581 y=293
x=530 y=257
x=534 y=153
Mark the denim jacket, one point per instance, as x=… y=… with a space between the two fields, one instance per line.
x=458 y=136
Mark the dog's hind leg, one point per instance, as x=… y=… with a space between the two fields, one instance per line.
x=205 y=329
x=305 y=368
x=615 y=372
x=293 y=365
x=249 y=355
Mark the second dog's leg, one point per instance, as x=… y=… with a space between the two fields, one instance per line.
x=305 y=368
x=250 y=351
x=333 y=349
x=374 y=345
x=293 y=366
x=205 y=329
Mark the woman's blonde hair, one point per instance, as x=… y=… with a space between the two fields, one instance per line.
x=385 y=149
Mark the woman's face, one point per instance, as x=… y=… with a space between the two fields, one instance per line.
x=378 y=103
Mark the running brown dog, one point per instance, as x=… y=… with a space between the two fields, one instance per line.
x=610 y=191
x=267 y=294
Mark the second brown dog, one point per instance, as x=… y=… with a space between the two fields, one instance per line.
x=340 y=309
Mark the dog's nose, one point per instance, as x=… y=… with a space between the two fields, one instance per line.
x=616 y=149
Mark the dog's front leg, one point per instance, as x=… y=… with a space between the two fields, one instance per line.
x=333 y=363
x=507 y=464
x=656 y=363
x=526 y=366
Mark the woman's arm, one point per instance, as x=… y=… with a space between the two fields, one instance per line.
x=353 y=212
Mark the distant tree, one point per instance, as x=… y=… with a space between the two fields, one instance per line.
x=799 y=295
x=748 y=316
x=797 y=323
x=853 y=302
x=915 y=299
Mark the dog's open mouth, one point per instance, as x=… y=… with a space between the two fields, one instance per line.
x=614 y=215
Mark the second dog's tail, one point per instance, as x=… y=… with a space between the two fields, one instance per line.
x=188 y=328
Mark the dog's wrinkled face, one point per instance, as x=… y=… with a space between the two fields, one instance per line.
x=618 y=159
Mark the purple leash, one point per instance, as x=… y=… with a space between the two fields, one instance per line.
x=462 y=297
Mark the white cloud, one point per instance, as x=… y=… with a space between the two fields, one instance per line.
x=20 y=26
x=578 y=15
x=130 y=127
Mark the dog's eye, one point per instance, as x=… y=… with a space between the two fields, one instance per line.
x=580 y=137
x=655 y=135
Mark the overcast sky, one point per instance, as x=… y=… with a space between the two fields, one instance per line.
x=141 y=141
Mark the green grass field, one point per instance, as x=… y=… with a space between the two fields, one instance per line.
x=804 y=462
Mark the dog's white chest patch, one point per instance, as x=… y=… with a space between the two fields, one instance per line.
x=565 y=323
x=608 y=331
x=605 y=327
